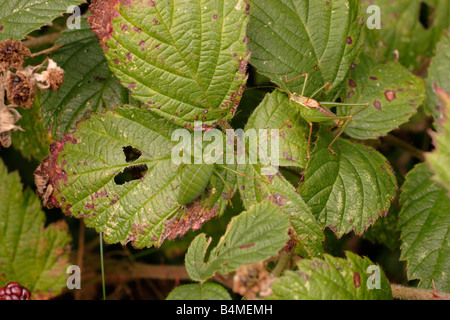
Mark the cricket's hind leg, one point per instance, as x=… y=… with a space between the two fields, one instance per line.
x=348 y=119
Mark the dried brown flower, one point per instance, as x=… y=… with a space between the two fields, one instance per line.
x=8 y=117
x=12 y=54
x=53 y=77
x=20 y=89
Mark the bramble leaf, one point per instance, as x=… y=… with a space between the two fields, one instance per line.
x=308 y=233
x=403 y=35
x=252 y=236
x=20 y=17
x=30 y=253
x=393 y=94
x=349 y=190
x=439 y=159
x=332 y=279
x=116 y=171
x=89 y=86
x=424 y=222
x=321 y=38
x=272 y=112
x=438 y=77
x=195 y=49
x=199 y=291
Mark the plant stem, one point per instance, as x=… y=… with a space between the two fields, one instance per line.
x=393 y=140
x=47 y=50
x=102 y=266
x=283 y=262
x=80 y=253
x=407 y=293
x=48 y=38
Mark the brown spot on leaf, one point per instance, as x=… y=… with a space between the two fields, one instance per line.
x=373 y=78
x=349 y=40
x=352 y=83
x=390 y=95
x=356 y=279
x=377 y=104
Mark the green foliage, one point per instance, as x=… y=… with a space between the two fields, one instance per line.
x=89 y=86
x=438 y=76
x=439 y=159
x=425 y=223
x=20 y=17
x=322 y=38
x=197 y=52
x=138 y=72
x=331 y=279
x=254 y=235
x=31 y=254
x=394 y=94
x=350 y=191
x=199 y=291
x=129 y=200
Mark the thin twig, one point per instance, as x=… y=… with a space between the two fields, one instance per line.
x=48 y=38
x=393 y=140
x=282 y=263
x=48 y=50
x=408 y=293
x=80 y=253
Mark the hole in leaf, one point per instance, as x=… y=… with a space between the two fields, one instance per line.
x=131 y=154
x=426 y=15
x=131 y=173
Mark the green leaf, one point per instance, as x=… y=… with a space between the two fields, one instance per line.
x=439 y=158
x=20 y=17
x=424 y=222
x=290 y=38
x=195 y=49
x=199 y=291
x=349 y=190
x=394 y=94
x=307 y=231
x=385 y=230
x=116 y=172
x=30 y=253
x=402 y=35
x=34 y=141
x=272 y=112
x=89 y=86
x=332 y=279
x=252 y=236
x=438 y=77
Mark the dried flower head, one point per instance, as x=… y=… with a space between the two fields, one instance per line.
x=12 y=54
x=21 y=88
x=8 y=117
x=53 y=77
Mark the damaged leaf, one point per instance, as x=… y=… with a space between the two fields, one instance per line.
x=252 y=236
x=20 y=17
x=195 y=49
x=81 y=177
x=333 y=278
